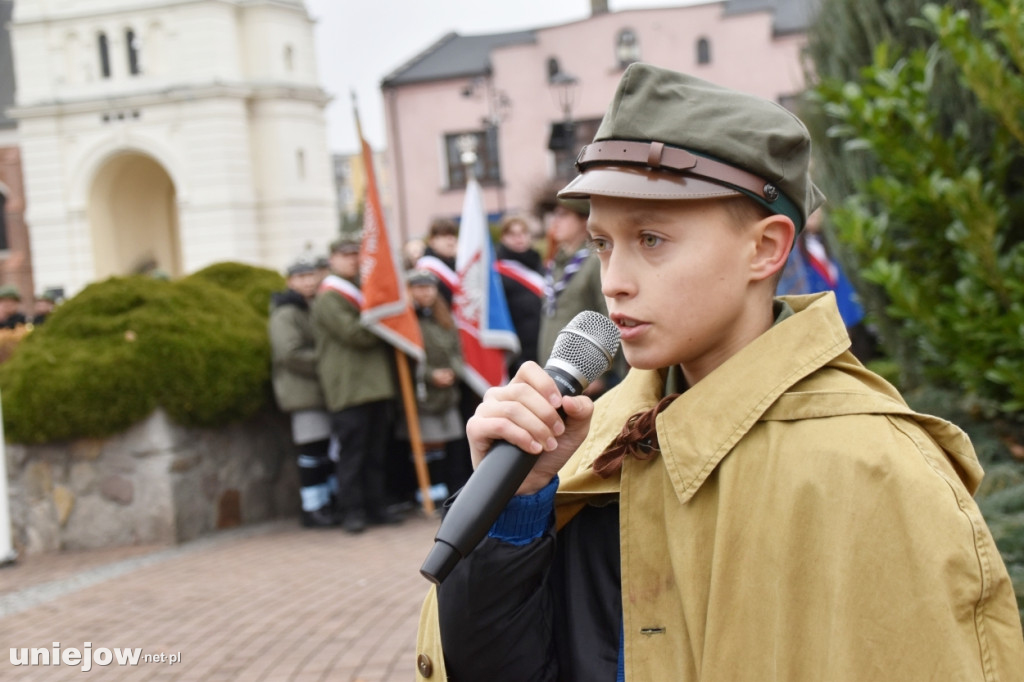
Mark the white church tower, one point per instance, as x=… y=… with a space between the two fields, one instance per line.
x=176 y=132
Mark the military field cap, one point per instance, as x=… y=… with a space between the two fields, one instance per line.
x=301 y=266
x=579 y=206
x=346 y=244
x=548 y=198
x=668 y=135
x=421 y=276
x=10 y=291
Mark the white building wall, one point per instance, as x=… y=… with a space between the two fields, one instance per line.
x=295 y=185
x=222 y=104
x=61 y=245
x=277 y=45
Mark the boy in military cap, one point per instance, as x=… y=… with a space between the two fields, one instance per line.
x=356 y=370
x=298 y=392
x=750 y=503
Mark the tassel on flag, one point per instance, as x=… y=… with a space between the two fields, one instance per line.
x=481 y=312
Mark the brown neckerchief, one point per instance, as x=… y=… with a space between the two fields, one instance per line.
x=638 y=438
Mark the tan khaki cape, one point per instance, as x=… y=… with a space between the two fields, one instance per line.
x=801 y=523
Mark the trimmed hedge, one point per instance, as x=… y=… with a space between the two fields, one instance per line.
x=104 y=360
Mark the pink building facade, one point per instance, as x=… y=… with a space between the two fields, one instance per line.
x=512 y=91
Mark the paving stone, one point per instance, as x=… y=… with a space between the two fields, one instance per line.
x=266 y=602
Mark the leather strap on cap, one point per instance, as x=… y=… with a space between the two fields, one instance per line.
x=657 y=156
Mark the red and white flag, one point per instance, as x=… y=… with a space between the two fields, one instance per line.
x=481 y=312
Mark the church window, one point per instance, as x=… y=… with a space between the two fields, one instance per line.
x=3 y=222
x=300 y=164
x=554 y=68
x=132 y=43
x=104 y=48
x=289 y=58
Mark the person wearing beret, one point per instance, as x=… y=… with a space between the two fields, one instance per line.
x=298 y=392
x=750 y=503
x=10 y=301
x=43 y=306
x=442 y=427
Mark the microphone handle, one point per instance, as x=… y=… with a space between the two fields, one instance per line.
x=485 y=495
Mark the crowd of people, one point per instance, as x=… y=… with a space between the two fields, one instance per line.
x=338 y=381
x=11 y=313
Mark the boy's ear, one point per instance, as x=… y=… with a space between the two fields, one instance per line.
x=774 y=237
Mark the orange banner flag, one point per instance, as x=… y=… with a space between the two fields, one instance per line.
x=387 y=311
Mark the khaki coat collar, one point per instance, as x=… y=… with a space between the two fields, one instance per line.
x=775 y=377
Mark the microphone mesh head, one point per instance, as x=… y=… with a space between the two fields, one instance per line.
x=587 y=343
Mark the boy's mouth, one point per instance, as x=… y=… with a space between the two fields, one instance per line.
x=626 y=322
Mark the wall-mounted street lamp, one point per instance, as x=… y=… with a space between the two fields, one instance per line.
x=563 y=86
x=563 y=89
x=499 y=105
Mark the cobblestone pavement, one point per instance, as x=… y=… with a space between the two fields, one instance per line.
x=265 y=602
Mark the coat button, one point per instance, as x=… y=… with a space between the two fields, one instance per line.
x=424 y=665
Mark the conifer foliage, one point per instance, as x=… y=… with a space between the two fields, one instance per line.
x=926 y=148
x=918 y=113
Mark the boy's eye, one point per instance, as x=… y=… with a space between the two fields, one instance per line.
x=599 y=244
x=649 y=240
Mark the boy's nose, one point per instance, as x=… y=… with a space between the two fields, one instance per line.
x=616 y=277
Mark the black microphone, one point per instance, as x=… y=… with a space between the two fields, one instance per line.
x=582 y=352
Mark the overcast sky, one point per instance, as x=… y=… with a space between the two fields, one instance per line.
x=358 y=42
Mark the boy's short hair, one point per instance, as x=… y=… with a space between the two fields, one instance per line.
x=511 y=220
x=442 y=226
x=668 y=135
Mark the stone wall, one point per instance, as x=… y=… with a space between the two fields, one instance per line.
x=155 y=483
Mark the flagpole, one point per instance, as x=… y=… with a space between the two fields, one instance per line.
x=412 y=419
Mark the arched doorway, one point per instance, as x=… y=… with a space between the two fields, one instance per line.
x=133 y=217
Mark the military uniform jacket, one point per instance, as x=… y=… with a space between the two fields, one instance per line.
x=800 y=522
x=443 y=351
x=293 y=354
x=582 y=292
x=355 y=365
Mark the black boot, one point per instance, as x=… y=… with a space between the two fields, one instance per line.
x=324 y=517
x=383 y=517
x=354 y=521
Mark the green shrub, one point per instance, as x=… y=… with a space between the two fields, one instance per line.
x=254 y=285
x=105 y=359
x=938 y=228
